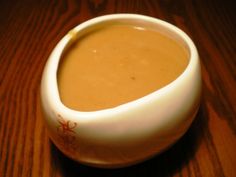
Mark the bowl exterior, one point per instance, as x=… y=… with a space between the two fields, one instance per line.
x=127 y=134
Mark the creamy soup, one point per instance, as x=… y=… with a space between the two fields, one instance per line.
x=117 y=64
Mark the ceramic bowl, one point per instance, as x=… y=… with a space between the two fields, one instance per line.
x=132 y=132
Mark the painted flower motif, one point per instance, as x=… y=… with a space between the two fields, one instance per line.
x=67 y=134
x=65 y=126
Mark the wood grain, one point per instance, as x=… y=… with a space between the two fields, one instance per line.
x=30 y=29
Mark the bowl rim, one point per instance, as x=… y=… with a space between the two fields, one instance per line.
x=50 y=71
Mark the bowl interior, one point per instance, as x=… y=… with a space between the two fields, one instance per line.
x=135 y=20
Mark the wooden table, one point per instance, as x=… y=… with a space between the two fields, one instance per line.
x=30 y=29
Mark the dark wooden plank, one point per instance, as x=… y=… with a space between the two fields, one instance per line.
x=30 y=29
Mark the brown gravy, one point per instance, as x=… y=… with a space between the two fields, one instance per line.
x=118 y=64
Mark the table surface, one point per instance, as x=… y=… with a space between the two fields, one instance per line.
x=30 y=29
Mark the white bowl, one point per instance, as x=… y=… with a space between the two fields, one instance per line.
x=134 y=131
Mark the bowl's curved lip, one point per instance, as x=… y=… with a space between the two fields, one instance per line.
x=50 y=75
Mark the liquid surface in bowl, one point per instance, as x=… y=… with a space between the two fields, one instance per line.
x=117 y=64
